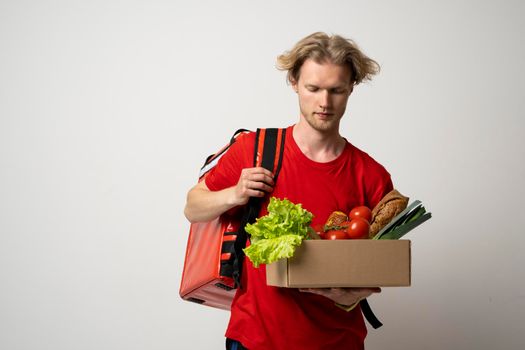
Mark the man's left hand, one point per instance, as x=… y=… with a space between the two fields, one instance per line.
x=344 y=296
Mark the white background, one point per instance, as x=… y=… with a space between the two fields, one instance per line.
x=108 y=109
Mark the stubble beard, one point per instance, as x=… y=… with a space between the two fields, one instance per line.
x=323 y=126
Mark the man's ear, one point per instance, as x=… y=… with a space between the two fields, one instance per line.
x=294 y=84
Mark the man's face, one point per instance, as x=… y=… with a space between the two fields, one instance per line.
x=323 y=91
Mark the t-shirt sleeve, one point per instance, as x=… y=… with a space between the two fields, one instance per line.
x=228 y=170
x=378 y=185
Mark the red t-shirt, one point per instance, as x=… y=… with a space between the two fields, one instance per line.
x=265 y=317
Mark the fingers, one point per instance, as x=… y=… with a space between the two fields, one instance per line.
x=257 y=181
x=353 y=290
x=254 y=182
x=257 y=175
x=346 y=296
x=319 y=291
x=364 y=292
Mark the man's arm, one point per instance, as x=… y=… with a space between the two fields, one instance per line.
x=202 y=204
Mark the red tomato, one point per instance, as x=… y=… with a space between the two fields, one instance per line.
x=335 y=234
x=361 y=212
x=358 y=229
x=319 y=229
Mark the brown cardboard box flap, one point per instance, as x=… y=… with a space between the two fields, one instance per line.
x=344 y=263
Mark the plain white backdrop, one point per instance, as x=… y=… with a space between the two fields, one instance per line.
x=108 y=109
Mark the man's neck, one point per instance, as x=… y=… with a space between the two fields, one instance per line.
x=318 y=146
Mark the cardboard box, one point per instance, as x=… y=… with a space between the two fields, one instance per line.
x=344 y=263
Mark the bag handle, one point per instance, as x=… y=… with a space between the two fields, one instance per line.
x=212 y=160
x=369 y=314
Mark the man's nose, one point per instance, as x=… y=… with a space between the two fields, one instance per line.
x=324 y=99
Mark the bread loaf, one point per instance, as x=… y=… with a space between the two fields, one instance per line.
x=391 y=205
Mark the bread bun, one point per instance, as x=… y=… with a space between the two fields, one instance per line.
x=336 y=218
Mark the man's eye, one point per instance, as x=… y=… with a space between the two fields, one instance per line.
x=312 y=88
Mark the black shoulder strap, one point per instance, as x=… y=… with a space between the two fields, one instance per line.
x=369 y=314
x=268 y=153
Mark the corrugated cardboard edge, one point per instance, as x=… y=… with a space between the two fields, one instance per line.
x=409 y=263
x=277 y=273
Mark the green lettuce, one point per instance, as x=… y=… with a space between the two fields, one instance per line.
x=277 y=234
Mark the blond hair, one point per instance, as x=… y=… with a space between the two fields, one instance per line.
x=321 y=47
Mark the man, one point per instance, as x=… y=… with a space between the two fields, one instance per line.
x=322 y=171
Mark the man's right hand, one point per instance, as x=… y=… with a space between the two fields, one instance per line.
x=253 y=182
x=204 y=205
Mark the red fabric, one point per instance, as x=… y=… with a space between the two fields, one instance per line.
x=264 y=317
